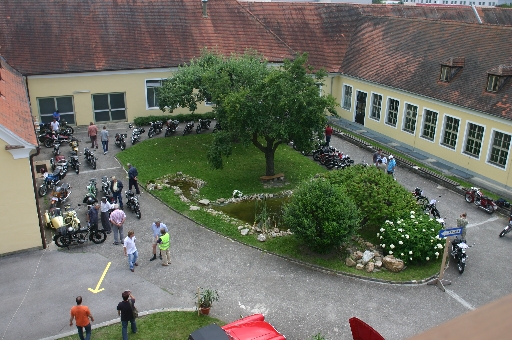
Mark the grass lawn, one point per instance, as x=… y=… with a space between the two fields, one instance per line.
x=155 y=158
x=158 y=326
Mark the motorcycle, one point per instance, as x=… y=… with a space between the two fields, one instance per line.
x=474 y=195
x=92 y=192
x=60 y=193
x=188 y=128
x=67 y=235
x=507 y=228
x=67 y=129
x=53 y=218
x=73 y=162
x=136 y=134
x=459 y=247
x=203 y=124
x=172 y=126
x=50 y=181
x=120 y=142
x=155 y=128
x=421 y=199
x=73 y=143
x=217 y=127
x=317 y=154
x=432 y=209
x=133 y=203
x=90 y=158
x=56 y=148
x=59 y=161
x=105 y=186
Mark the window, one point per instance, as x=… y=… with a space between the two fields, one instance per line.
x=495 y=82
x=499 y=149
x=109 y=107
x=47 y=106
x=474 y=138
x=429 y=124
x=451 y=130
x=376 y=106
x=411 y=112
x=450 y=67
x=347 y=97
x=152 y=86
x=392 y=115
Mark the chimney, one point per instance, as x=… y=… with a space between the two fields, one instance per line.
x=205 y=12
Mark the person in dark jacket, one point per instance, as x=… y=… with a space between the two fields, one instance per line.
x=125 y=310
x=116 y=186
x=132 y=178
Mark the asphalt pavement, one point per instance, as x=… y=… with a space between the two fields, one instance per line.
x=39 y=287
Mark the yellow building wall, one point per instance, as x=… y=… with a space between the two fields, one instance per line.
x=83 y=86
x=19 y=223
x=415 y=141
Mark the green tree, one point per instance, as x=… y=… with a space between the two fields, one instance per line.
x=254 y=102
x=321 y=215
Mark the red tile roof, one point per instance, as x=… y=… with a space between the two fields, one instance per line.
x=15 y=114
x=407 y=54
x=59 y=36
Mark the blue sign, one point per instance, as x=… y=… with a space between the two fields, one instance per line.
x=450 y=232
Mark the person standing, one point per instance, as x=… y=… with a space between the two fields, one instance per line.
x=93 y=216
x=92 y=132
x=381 y=165
x=125 y=310
x=116 y=187
x=55 y=125
x=56 y=115
x=376 y=156
x=328 y=134
x=462 y=222
x=164 y=242
x=117 y=218
x=105 y=207
x=155 y=227
x=104 y=139
x=391 y=165
x=130 y=250
x=81 y=314
x=132 y=178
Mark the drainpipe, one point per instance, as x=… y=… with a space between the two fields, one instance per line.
x=476 y=13
x=205 y=12
x=34 y=184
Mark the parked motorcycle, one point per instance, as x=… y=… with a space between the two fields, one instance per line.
x=73 y=162
x=133 y=203
x=136 y=134
x=67 y=235
x=56 y=148
x=70 y=217
x=188 y=128
x=60 y=193
x=155 y=128
x=63 y=126
x=90 y=158
x=59 y=161
x=421 y=199
x=203 y=124
x=432 y=209
x=507 y=228
x=45 y=137
x=317 y=154
x=474 y=195
x=50 y=181
x=73 y=143
x=120 y=140
x=105 y=186
x=459 y=253
x=53 y=218
x=171 y=127
x=217 y=127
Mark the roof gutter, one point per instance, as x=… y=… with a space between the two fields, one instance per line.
x=38 y=207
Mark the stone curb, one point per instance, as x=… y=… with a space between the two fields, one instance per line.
x=118 y=320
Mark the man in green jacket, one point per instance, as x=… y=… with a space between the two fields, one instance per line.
x=164 y=243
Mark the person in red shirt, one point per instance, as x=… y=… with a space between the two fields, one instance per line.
x=328 y=134
x=81 y=314
x=92 y=131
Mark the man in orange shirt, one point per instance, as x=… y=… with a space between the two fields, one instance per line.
x=92 y=131
x=81 y=314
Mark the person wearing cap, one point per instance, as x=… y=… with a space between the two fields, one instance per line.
x=117 y=218
x=132 y=178
x=81 y=314
x=130 y=250
x=125 y=311
x=116 y=186
x=105 y=208
x=155 y=227
x=93 y=216
x=164 y=243
x=391 y=165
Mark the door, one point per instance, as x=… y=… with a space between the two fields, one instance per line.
x=360 y=107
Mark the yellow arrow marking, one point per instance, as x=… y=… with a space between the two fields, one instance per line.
x=96 y=290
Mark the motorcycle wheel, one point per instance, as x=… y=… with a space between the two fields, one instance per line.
x=77 y=169
x=436 y=213
x=167 y=133
x=93 y=164
x=43 y=190
x=61 y=241
x=316 y=156
x=123 y=146
x=48 y=143
x=98 y=236
x=69 y=130
x=151 y=133
x=198 y=129
x=138 y=214
x=469 y=198
x=460 y=266
x=184 y=132
x=423 y=202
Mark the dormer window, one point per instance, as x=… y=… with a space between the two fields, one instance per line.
x=497 y=77
x=450 y=67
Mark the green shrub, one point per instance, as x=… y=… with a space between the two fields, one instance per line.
x=144 y=121
x=414 y=239
x=321 y=215
x=378 y=195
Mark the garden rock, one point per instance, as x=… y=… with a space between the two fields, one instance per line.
x=360 y=266
x=350 y=262
x=378 y=264
x=262 y=238
x=193 y=207
x=358 y=255
x=244 y=231
x=393 y=264
x=370 y=266
x=367 y=256
x=204 y=201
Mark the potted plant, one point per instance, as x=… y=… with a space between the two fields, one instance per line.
x=205 y=298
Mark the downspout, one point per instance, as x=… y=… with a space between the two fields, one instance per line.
x=476 y=13
x=34 y=184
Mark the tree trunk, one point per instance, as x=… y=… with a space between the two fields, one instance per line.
x=269 y=159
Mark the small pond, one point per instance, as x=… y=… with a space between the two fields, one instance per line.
x=247 y=211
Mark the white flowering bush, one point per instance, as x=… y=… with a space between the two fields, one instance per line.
x=413 y=240
x=237 y=194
